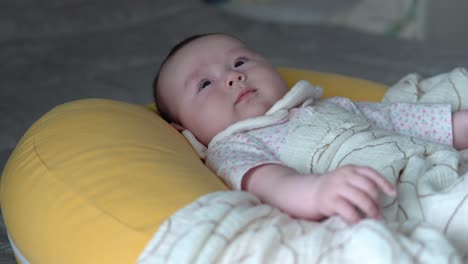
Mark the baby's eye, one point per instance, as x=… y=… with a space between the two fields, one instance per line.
x=240 y=62
x=204 y=84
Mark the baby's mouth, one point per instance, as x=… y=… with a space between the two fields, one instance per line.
x=245 y=94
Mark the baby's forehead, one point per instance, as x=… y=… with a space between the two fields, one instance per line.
x=205 y=50
x=201 y=52
x=212 y=46
x=216 y=41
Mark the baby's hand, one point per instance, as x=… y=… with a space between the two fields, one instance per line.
x=460 y=129
x=351 y=192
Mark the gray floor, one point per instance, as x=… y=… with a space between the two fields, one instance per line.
x=52 y=52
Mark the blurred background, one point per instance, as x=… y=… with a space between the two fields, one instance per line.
x=425 y=20
x=56 y=51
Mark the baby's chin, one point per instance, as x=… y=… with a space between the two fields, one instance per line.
x=253 y=112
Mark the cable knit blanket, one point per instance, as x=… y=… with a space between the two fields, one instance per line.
x=426 y=223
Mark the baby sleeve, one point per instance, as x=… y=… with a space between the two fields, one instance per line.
x=232 y=157
x=425 y=121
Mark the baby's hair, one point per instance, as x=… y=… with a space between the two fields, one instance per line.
x=159 y=103
x=161 y=107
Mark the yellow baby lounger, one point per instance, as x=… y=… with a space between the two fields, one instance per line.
x=92 y=180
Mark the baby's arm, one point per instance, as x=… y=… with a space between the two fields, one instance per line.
x=460 y=129
x=346 y=191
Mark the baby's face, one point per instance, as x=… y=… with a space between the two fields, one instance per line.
x=215 y=81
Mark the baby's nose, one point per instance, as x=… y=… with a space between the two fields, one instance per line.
x=235 y=78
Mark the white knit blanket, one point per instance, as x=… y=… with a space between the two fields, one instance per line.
x=427 y=223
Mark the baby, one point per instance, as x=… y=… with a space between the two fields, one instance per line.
x=279 y=144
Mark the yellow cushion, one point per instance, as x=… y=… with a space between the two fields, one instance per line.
x=92 y=180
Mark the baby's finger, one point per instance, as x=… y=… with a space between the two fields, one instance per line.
x=366 y=185
x=363 y=202
x=383 y=184
x=346 y=210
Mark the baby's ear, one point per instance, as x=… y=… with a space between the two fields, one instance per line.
x=177 y=126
